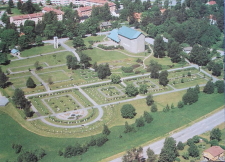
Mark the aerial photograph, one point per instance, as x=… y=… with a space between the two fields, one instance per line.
x=112 y=81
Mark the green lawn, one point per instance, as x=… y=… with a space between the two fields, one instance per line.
x=47 y=48
x=12 y=132
x=51 y=60
x=15 y=12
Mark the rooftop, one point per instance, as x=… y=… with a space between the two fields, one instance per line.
x=215 y=150
x=3 y=100
x=128 y=32
x=48 y=9
x=211 y=3
x=114 y=35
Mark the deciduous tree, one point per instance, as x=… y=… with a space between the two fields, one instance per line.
x=149 y=100
x=215 y=134
x=159 y=47
x=128 y=111
x=163 y=78
x=131 y=90
x=105 y=130
x=209 y=87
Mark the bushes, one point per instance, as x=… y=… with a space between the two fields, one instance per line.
x=110 y=47
x=127 y=69
x=101 y=140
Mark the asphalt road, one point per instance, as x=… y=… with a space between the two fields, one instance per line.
x=198 y=128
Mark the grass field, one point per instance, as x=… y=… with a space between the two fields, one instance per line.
x=47 y=48
x=15 y=11
x=16 y=134
x=51 y=60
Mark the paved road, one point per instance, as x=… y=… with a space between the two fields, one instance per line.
x=198 y=128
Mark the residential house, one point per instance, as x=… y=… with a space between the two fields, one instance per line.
x=105 y=25
x=211 y=3
x=132 y=40
x=187 y=49
x=213 y=153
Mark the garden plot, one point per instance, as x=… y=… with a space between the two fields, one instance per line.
x=187 y=79
x=101 y=93
x=20 y=81
x=152 y=84
x=111 y=92
x=26 y=67
x=62 y=103
x=56 y=76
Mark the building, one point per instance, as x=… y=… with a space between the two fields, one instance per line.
x=88 y=4
x=187 y=49
x=84 y=11
x=213 y=153
x=132 y=40
x=59 y=13
x=105 y=25
x=20 y=19
x=211 y=3
x=137 y=16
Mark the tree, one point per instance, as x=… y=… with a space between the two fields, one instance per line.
x=92 y=141
x=38 y=40
x=10 y=3
x=148 y=118
x=197 y=88
x=159 y=47
x=163 y=78
x=215 y=134
x=115 y=79
x=4 y=58
x=209 y=87
x=143 y=89
x=174 y=52
x=190 y=97
x=101 y=140
x=103 y=71
x=154 y=68
x=9 y=37
x=3 y=79
x=169 y=151
x=140 y=122
x=128 y=111
x=149 y=100
x=37 y=65
x=151 y=155
x=23 y=42
x=216 y=69
x=219 y=84
x=27 y=156
x=154 y=108
x=131 y=90
x=199 y=55
x=180 y=145
x=19 y=5
x=8 y=10
x=84 y=59
x=180 y=104
x=128 y=128
x=30 y=83
x=193 y=150
x=105 y=130
x=78 y=42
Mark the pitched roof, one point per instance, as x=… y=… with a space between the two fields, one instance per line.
x=211 y=3
x=128 y=32
x=13 y=51
x=137 y=15
x=83 y=9
x=48 y=9
x=215 y=150
x=114 y=35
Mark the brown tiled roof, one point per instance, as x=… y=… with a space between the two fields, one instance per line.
x=215 y=150
x=162 y=10
x=28 y=16
x=83 y=9
x=137 y=15
x=48 y=9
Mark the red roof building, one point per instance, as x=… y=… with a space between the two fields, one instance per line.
x=211 y=3
x=213 y=153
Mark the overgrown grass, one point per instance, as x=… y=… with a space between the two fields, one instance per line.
x=161 y=125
